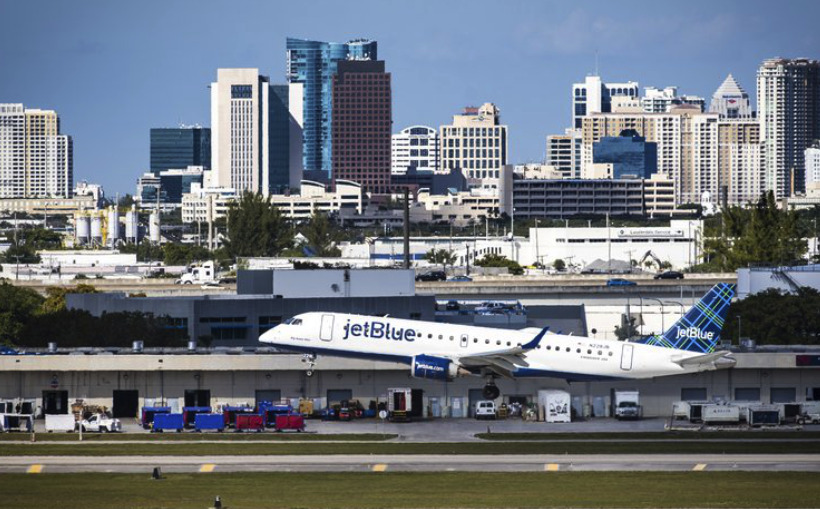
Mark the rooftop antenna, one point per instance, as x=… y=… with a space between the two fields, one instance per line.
x=596 y=63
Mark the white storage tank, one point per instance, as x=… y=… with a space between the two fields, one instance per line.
x=113 y=226
x=81 y=228
x=132 y=225
x=153 y=227
x=96 y=229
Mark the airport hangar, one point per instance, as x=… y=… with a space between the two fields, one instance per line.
x=125 y=379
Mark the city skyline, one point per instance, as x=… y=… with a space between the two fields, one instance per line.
x=111 y=82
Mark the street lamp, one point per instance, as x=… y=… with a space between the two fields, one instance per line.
x=738 y=329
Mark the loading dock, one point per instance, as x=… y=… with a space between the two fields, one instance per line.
x=125 y=403
x=55 y=402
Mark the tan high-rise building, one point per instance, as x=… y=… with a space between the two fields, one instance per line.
x=476 y=143
x=239 y=131
x=36 y=161
x=698 y=151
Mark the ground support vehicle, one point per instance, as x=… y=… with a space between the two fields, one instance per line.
x=101 y=423
x=291 y=422
x=213 y=422
x=249 y=422
x=168 y=422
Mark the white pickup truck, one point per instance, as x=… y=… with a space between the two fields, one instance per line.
x=101 y=423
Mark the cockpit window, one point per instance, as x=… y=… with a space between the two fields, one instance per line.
x=293 y=321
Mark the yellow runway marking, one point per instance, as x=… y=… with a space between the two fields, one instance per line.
x=207 y=467
x=34 y=469
x=699 y=467
x=551 y=467
x=381 y=467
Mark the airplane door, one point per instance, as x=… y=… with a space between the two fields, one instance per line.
x=326 y=332
x=626 y=357
x=464 y=340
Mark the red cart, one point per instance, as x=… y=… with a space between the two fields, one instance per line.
x=250 y=422
x=290 y=422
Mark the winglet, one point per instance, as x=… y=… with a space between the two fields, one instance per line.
x=537 y=339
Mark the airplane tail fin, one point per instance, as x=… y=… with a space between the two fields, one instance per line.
x=699 y=329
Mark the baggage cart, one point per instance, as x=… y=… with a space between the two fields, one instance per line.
x=168 y=422
x=148 y=413
x=290 y=422
x=250 y=422
x=189 y=413
x=204 y=422
x=230 y=413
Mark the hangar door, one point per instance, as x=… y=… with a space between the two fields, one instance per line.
x=55 y=402
x=336 y=396
x=197 y=397
x=126 y=403
x=475 y=395
x=272 y=395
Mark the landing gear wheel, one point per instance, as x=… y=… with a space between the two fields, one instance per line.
x=490 y=391
x=310 y=359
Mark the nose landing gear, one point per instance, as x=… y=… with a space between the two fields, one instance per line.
x=310 y=359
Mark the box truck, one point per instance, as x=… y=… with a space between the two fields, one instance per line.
x=626 y=404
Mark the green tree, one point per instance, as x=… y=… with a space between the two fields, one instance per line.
x=494 y=260
x=441 y=257
x=184 y=254
x=17 y=306
x=321 y=236
x=55 y=297
x=627 y=329
x=762 y=234
x=776 y=318
x=559 y=265
x=126 y=202
x=256 y=228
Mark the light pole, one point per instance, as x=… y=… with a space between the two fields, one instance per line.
x=663 y=326
x=738 y=329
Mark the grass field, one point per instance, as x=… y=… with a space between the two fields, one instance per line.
x=415 y=490
x=247 y=448
x=197 y=437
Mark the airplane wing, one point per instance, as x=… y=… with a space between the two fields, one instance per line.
x=709 y=359
x=502 y=361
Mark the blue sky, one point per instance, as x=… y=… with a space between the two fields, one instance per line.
x=113 y=69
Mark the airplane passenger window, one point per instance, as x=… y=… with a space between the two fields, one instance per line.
x=549 y=347
x=429 y=336
x=568 y=349
x=508 y=343
x=578 y=350
x=451 y=338
x=498 y=342
x=589 y=352
x=486 y=341
x=440 y=336
x=600 y=352
x=610 y=354
x=475 y=340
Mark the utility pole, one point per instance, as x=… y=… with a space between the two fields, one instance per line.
x=608 y=245
x=406 y=228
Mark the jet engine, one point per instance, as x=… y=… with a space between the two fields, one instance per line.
x=436 y=368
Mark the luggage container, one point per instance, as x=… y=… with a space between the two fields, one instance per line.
x=696 y=410
x=270 y=412
x=204 y=422
x=680 y=410
x=290 y=422
x=230 y=413
x=60 y=422
x=17 y=422
x=249 y=422
x=764 y=415
x=189 y=414
x=148 y=413
x=720 y=414
x=555 y=405
x=168 y=422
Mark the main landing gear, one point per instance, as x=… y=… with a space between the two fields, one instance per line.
x=310 y=359
x=490 y=390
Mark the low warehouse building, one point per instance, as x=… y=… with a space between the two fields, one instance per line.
x=124 y=381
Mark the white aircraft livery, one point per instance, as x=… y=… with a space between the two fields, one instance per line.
x=441 y=351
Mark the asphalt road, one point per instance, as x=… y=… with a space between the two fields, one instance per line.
x=415 y=463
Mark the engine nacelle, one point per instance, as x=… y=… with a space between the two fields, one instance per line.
x=436 y=368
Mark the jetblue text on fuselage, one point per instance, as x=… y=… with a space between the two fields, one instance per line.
x=694 y=332
x=378 y=330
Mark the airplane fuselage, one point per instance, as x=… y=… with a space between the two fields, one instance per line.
x=400 y=340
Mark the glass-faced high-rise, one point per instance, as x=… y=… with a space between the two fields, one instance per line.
x=313 y=63
x=178 y=148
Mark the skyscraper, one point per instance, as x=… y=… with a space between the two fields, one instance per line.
x=788 y=100
x=662 y=101
x=362 y=124
x=178 y=148
x=564 y=153
x=313 y=64
x=415 y=147
x=730 y=101
x=240 y=150
x=595 y=96
x=36 y=161
x=476 y=142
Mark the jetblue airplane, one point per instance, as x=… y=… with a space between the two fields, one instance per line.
x=441 y=351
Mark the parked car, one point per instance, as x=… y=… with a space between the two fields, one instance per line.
x=101 y=423
x=452 y=305
x=485 y=410
x=436 y=275
x=617 y=281
x=460 y=279
x=669 y=274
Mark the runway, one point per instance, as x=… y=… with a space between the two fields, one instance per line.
x=417 y=463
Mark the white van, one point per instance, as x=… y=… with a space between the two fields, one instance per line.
x=485 y=410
